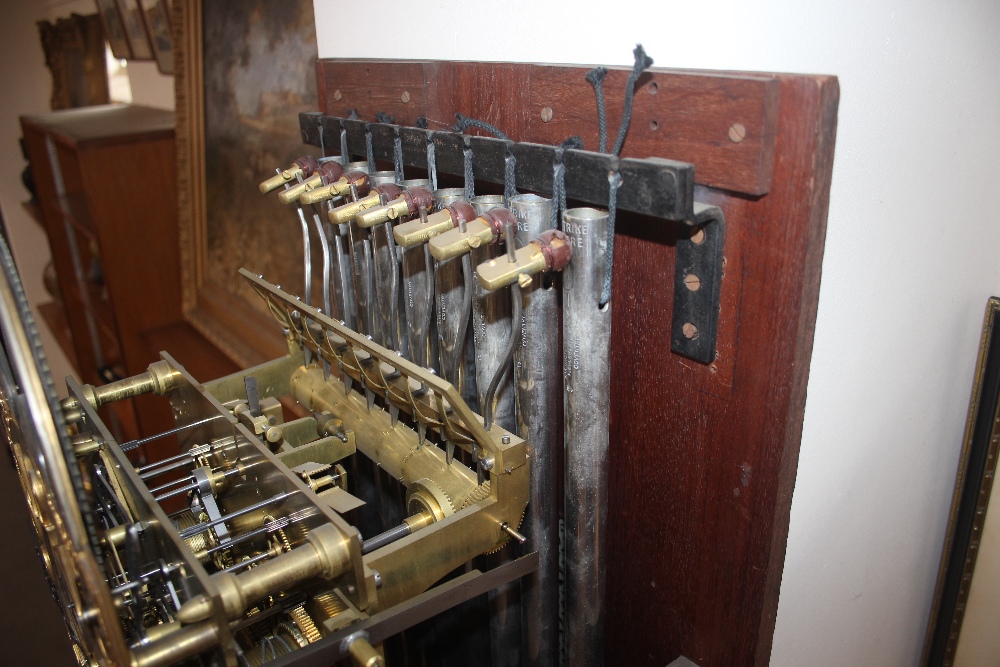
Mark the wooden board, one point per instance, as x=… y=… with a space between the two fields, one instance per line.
x=684 y=115
x=703 y=456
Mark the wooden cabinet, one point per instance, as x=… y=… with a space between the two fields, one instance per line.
x=107 y=196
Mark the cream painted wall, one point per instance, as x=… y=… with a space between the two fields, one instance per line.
x=911 y=256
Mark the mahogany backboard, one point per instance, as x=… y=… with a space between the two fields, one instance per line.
x=703 y=456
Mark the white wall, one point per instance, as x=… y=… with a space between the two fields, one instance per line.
x=912 y=253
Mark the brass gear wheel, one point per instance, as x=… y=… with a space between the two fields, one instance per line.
x=427 y=495
x=482 y=492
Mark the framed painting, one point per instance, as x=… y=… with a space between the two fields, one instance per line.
x=965 y=614
x=156 y=17
x=135 y=31
x=114 y=29
x=237 y=121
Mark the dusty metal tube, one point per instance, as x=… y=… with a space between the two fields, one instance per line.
x=388 y=296
x=491 y=328
x=382 y=178
x=357 y=166
x=418 y=304
x=343 y=275
x=363 y=267
x=587 y=373
x=414 y=183
x=539 y=396
x=449 y=289
x=324 y=244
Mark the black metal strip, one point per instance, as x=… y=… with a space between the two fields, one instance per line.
x=405 y=615
x=697 y=284
x=655 y=187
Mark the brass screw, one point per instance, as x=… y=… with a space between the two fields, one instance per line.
x=737 y=133
x=546 y=114
x=698 y=236
x=405 y=97
x=692 y=282
x=689 y=330
x=337 y=95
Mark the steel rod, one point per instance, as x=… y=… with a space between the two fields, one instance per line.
x=132 y=444
x=200 y=528
x=388 y=537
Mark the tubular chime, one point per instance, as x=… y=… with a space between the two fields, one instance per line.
x=451 y=332
x=469 y=287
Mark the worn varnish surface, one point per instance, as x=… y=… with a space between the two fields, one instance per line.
x=703 y=457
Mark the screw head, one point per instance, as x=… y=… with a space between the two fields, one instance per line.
x=737 y=133
x=337 y=95
x=692 y=282
x=405 y=97
x=505 y=439
x=689 y=330
x=546 y=114
x=488 y=463
x=698 y=236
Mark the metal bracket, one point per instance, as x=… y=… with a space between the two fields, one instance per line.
x=698 y=270
x=655 y=187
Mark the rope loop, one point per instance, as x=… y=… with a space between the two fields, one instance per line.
x=558 y=195
x=642 y=63
x=397 y=153
x=596 y=79
x=509 y=174
x=432 y=174
x=369 y=148
x=462 y=123
x=614 y=182
x=470 y=179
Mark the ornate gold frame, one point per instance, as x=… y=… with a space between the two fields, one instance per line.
x=219 y=316
x=973 y=486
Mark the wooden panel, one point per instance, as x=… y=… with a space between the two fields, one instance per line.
x=703 y=456
x=104 y=124
x=686 y=116
x=131 y=213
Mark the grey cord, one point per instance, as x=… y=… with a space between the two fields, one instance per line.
x=432 y=174
x=596 y=79
x=397 y=154
x=369 y=148
x=464 y=123
x=614 y=182
x=509 y=175
x=470 y=179
x=642 y=62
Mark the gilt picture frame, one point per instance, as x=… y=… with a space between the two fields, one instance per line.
x=114 y=28
x=961 y=628
x=237 y=121
x=156 y=17
x=135 y=30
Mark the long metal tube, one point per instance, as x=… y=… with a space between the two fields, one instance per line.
x=455 y=345
x=364 y=281
x=324 y=244
x=587 y=373
x=388 y=537
x=418 y=301
x=539 y=396
x=491 y=329
x=392 y=319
